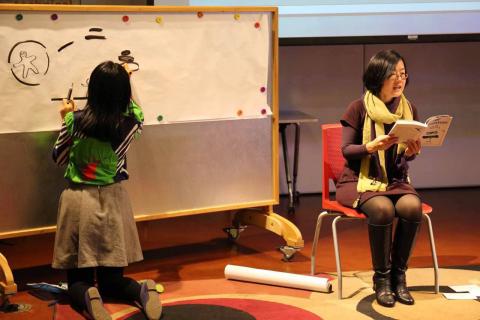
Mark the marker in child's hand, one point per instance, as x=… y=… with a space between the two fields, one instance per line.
x=69 y=95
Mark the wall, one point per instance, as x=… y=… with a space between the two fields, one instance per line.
x=444 y=79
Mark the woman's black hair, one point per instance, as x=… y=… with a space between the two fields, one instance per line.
x=109 y=94
x=379 y=68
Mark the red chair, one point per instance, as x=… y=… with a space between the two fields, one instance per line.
x=332 y=164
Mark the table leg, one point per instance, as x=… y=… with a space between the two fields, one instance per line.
x=283 y=128
x=295 y=163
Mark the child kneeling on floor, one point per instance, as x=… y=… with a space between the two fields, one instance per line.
x=96 y=231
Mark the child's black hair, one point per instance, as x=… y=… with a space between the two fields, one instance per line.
x=109 y=94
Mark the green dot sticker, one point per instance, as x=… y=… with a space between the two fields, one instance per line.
x=160 y=118
x=19 y=17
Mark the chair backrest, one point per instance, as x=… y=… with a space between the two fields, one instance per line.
x=333 y=160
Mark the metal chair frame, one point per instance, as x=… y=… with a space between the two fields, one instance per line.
x=333 y=208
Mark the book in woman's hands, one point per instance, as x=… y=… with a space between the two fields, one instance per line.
x=432 y=132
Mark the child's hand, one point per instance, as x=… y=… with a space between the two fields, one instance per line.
x=66 y=107
x=127 y=68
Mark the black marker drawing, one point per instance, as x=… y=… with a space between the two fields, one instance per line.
x=29 y=62
x=64 y=46
x=125 y=57
x=95 y=37
x=26 y=63
x=92 y=37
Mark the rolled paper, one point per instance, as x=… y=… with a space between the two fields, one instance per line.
x=276 y=278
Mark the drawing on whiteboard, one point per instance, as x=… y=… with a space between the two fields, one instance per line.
x=26 y=63
x=125 y=57
x=29 y=62
x=95 y=37
x=65 y=45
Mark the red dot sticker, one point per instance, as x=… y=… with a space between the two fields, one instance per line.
x=264 y=111
x=257 y=25
x=239 y=113
x=262 y=89
x=54 y=16
x=125 y=18
x=200 y=14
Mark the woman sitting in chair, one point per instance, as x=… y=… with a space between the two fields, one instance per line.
x=375 y=178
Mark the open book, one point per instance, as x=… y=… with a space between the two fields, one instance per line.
x=432 y=132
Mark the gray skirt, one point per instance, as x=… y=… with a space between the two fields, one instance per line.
x=95 y=227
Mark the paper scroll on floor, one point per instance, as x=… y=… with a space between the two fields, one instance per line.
x=276 y=278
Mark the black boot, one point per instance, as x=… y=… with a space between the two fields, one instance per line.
x=380 y=246
x=405 y=235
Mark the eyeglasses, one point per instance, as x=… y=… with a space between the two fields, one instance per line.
x=395 y=76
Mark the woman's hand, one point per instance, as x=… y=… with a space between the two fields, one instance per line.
x=66 y=107
x=382 y=142
x=413 y=147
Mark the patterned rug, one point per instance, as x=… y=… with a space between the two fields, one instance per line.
x=220 y=299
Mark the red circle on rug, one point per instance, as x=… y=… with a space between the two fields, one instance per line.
x=259 y=309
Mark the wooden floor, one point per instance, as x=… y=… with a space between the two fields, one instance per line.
x=195 y=247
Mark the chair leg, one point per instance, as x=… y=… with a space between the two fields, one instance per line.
x=434 y=252
x=337 y=256
x=315 y=241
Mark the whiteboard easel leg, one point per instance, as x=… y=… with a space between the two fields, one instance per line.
x=273 y=222
x=7 y=285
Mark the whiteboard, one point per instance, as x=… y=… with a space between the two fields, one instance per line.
x=203 y=156
x=189 y=65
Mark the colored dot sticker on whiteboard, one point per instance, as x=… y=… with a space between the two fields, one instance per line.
x=257 y=25
x=19 y=17
x=200 y=14
x=54 y=16
x=262 y=89
x=125 y=18
x=264 y=111
x=236 y=16
x=159 y=118
x=159 y=20
x=239 y=113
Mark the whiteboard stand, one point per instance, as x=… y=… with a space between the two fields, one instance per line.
x=7 y=285
x=265 y=218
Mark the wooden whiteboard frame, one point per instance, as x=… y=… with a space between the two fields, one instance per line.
x=266 y=206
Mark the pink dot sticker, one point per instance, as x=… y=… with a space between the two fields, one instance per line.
x=264 y=111
x=257 y=25
x=54 y=16
x=262 y=89
x=125 y=18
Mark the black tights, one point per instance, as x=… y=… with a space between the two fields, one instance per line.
x=381 y=210
x=111 y=283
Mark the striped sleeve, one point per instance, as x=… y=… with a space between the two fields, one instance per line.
x=135 y=110
x=61 y=149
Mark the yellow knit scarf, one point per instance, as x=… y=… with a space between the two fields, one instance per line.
x=379 y=113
